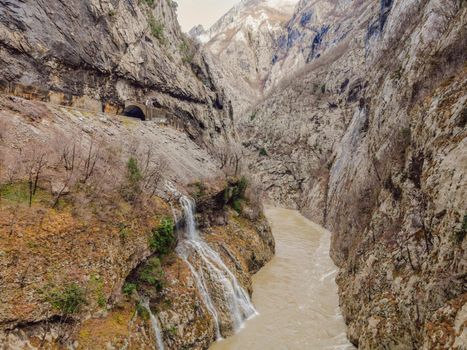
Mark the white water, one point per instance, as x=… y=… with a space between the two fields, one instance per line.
x=155 y=327
x=206 y=264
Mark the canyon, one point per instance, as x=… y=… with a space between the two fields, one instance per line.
x=122 y=233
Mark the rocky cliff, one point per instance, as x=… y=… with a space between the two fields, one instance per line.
x=369 y=139
x=101 y=54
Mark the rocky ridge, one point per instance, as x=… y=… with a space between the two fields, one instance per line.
x=242 y=44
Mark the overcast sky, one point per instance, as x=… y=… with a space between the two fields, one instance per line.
x=205 y=12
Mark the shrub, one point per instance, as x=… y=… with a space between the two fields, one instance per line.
x=263 y=152
x=132 y=188
x=124 y=231
x=187 y=52
x=96 y=286
x=157 y=29
x=129 y=288
x=252 y=116
x=152 y=273
x=163 y=239
x=68 y=300
x=234 y=194
x=142 y=311
x=149 y=2
x=200 y=189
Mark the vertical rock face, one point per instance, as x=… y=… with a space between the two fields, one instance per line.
x=100 y=54
x=369 y=139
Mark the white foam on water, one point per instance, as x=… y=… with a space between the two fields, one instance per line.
x=205 y=263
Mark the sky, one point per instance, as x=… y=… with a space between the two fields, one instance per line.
x=205 y=12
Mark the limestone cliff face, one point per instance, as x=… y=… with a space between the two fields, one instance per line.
x=100 y=54
x=369 y=139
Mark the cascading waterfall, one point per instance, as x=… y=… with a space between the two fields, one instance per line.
x=155 y=326
x=208 y=261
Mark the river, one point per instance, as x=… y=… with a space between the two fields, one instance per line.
x=295 y=294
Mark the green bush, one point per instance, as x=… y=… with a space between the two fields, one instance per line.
x=68 y=300
x=252 y=116
x=133 y=172
x=263 y=152
x=129 y=288
x=132 y=189
x=157 y=29
x=142 y=311
x=96 y=287
x=200 y=190
x=152 y=273
x=187 y=52
x=149 y=2
x=162 y=238
x=234 y=194
x=124 y=231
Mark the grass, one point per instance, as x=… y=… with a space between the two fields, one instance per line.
x=18 y=193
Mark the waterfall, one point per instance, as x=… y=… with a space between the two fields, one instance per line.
x=155 y=326
x=202 y=259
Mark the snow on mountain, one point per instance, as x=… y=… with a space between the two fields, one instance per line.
x=242 y=43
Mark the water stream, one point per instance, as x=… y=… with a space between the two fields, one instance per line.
x=295 y=294
x=155 y=326
x=213 y=278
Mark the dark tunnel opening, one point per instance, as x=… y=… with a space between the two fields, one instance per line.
x=134 y=112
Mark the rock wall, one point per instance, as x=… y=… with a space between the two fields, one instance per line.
x=369 y=138
x=98 y=54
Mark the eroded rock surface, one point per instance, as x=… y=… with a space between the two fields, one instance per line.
x=369 y=139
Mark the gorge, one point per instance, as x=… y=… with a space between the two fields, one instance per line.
x=135 y=160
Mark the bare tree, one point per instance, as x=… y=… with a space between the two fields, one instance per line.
x=35 y=167
x=153 y=170
x=68 y=160
x=90 y=162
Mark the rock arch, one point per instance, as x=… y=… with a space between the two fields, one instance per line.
x=136 y=110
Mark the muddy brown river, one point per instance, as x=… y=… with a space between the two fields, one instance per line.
x=295 y=294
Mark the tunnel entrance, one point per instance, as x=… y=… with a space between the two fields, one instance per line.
x=134 y=112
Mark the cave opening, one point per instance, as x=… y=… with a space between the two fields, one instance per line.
x=134 y=112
